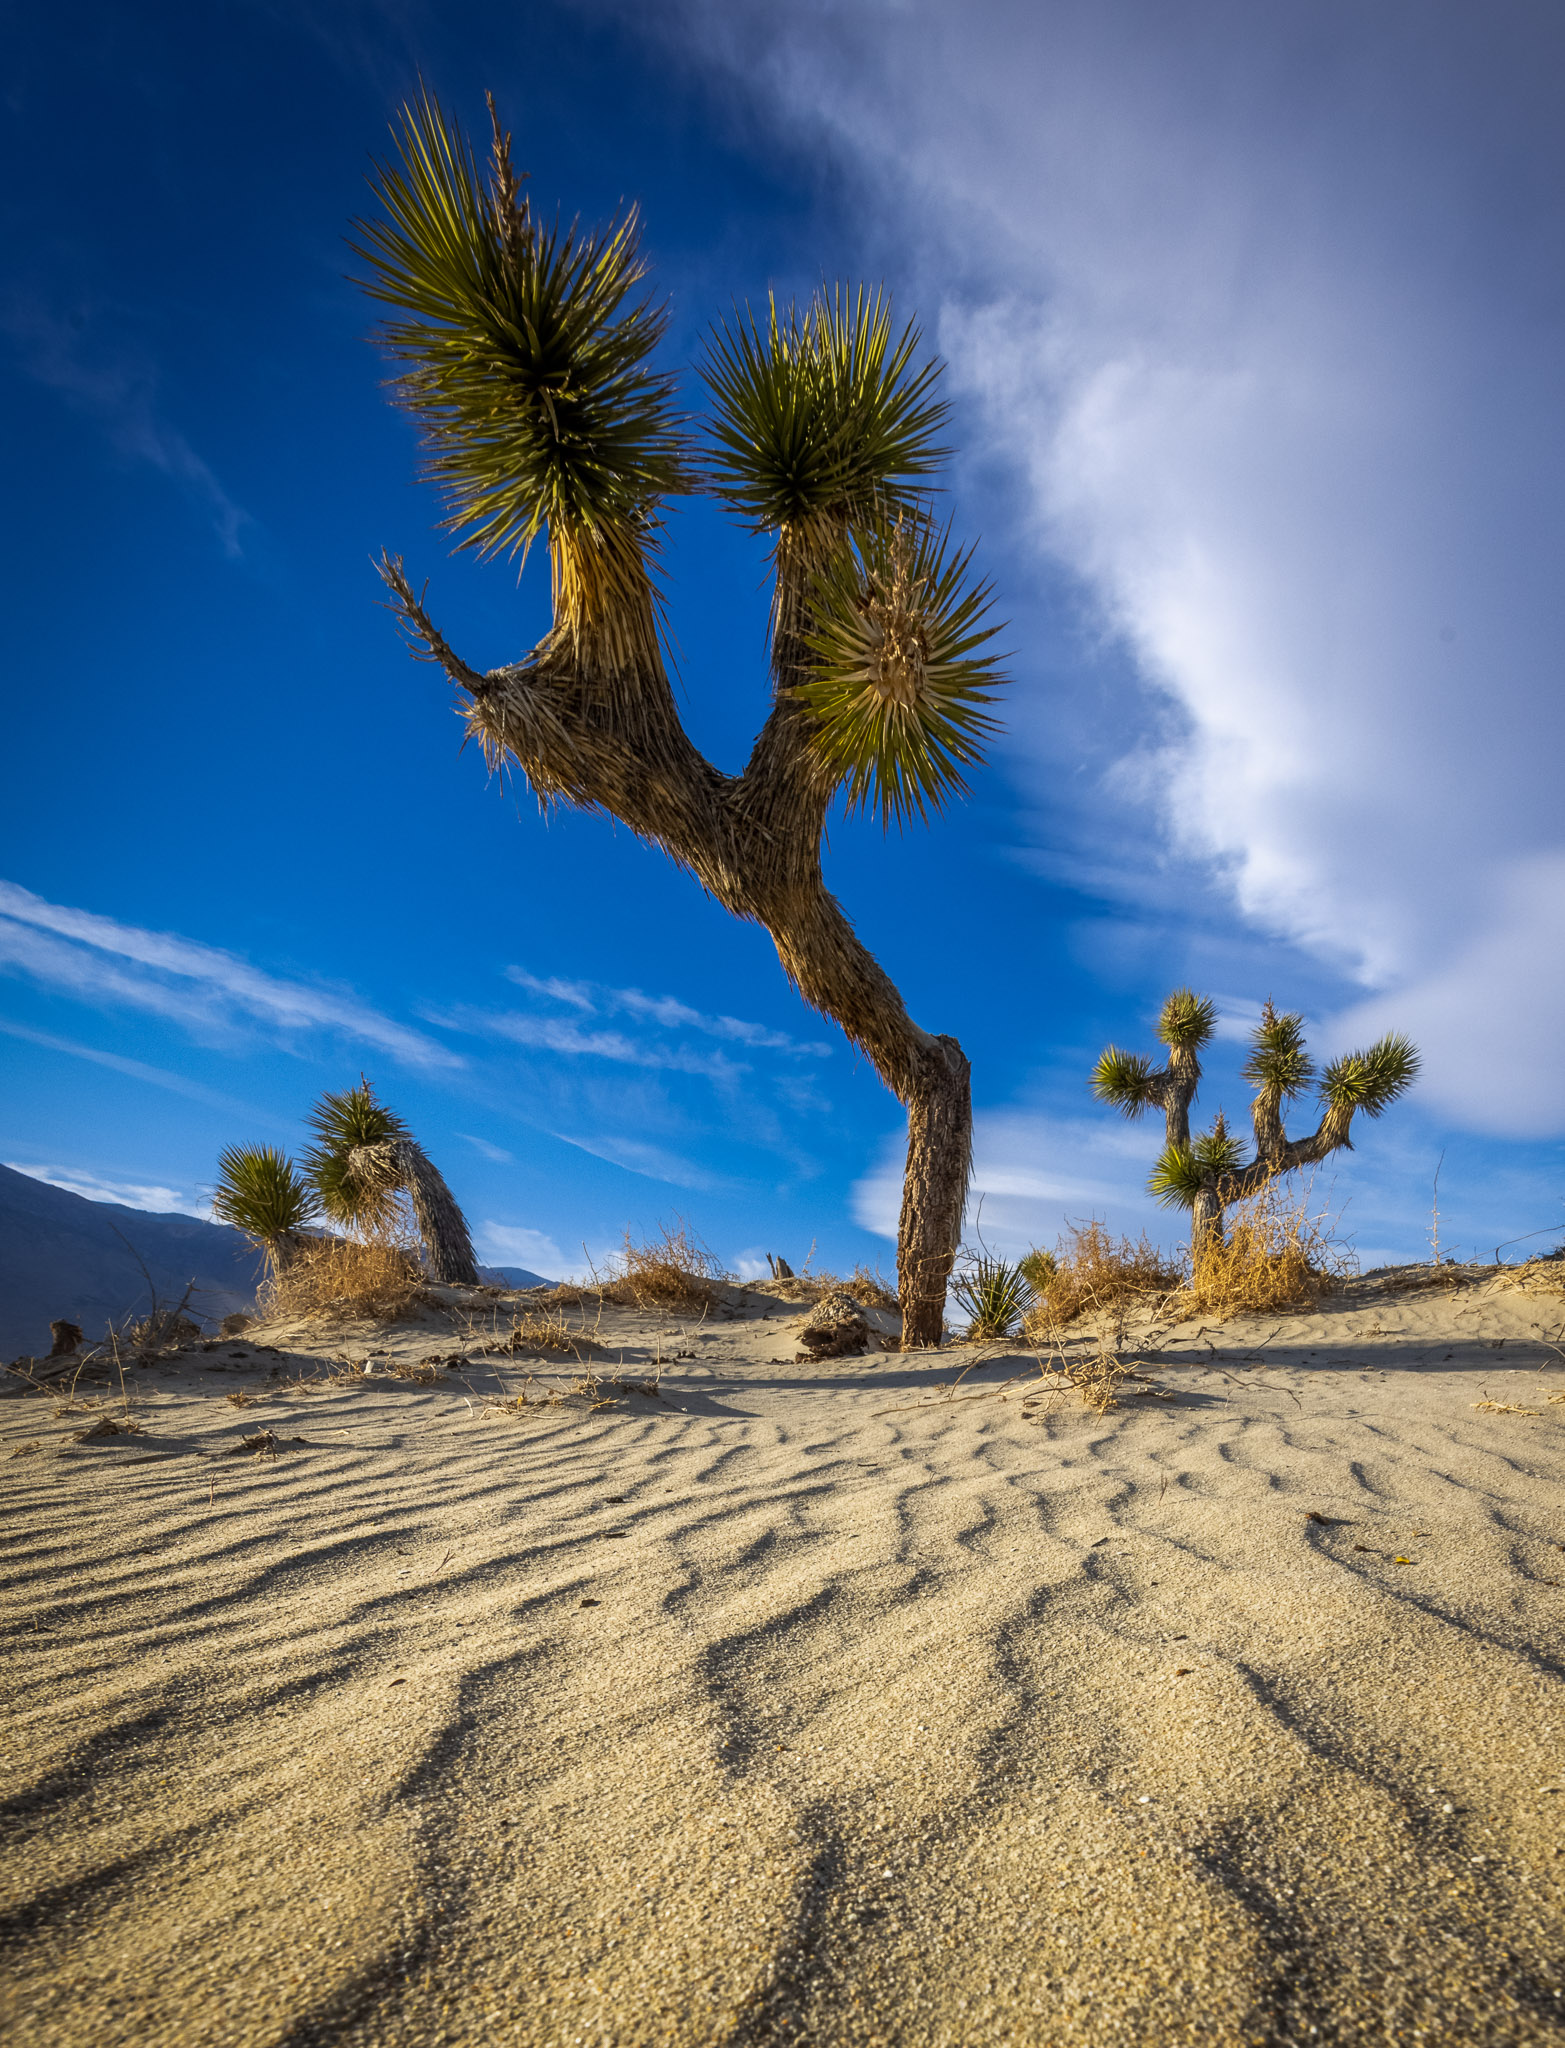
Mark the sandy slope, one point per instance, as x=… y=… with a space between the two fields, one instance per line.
x=897 y=1717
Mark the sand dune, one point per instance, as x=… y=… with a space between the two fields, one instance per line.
x=898 y=1713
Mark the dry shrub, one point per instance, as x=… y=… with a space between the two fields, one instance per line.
x=540 y=1331
x=673 y=1270
x=1097 y=1379
x=1092 y=1269
x=870 y=1289
x=1275 y=1254
x=339 y=1278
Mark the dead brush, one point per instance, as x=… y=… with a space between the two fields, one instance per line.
x=1097 y=1379
x=543 y=1330
x=1275 y=1253
x=870 y=1289
x=672 y=1270
x=1091 y=1270
x=340 y=1279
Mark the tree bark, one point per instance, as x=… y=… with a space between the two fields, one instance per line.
x=934 y=1189
x=1206 y=1221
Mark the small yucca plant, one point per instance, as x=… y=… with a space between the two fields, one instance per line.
x=366 y=1160
x=360 y=1200
x=1038 y=1268
x=261 y=1192
x=995 y=1293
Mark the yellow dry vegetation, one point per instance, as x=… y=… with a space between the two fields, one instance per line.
x=1093 y=1269
x=1276 y=1253
x=341 y=1278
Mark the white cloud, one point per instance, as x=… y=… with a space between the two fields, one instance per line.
x=652 y=1162
x=1249 y=302
x=113 y=965
x=496 y=1153
x=1032 y=1174
x=574 y=1041
x=130 y=1194
x=513 y=1244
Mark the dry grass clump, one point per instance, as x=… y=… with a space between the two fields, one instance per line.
x=672 y=1270
x=338 y=1278
x=1091 y=1269
x=1275 y=1254
x=541 y=1330
x=871 y=1289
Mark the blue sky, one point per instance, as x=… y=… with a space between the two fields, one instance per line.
x=1253 y=321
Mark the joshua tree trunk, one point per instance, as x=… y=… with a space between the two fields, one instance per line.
x=399 y=1163
x=600 y=730
x=1206 y=1220
x=934 y=1188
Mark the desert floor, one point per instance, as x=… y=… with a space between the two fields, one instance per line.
x=834 y=1702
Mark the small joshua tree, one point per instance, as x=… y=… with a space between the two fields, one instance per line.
x=525 y=353
x=364 y=1158
x=261 y=1192
x=1206 y=1174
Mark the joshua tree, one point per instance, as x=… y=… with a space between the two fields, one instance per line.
x=261 y=1192
x=524 y=353
x=364 y=1158
x=1207 y=1174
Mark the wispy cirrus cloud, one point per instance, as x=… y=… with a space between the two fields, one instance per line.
x=212 y=993
x=136 y=1070
x=592 y=998
x=652 y=1162
x=122 y=395
x=576 y=1041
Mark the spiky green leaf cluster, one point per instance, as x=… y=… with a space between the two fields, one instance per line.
x=1278 y=1064
x=341 y=1123
x=523 y=350
x=1177 y=1178
x=898 y=675
x=995 y=1293
x=1186 y=1019
x=1371 y=1081
x=261 y=1192
x=821 y=414
x=1123 y=1080
x=1183 y=1171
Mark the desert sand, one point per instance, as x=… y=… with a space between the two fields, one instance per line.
x=846 y=1702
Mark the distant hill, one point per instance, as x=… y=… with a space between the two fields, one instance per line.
x=512 y=1276
x=62 y=1256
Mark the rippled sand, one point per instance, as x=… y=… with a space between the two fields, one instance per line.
x=803 y=1702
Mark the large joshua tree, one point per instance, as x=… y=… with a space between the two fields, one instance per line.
x=524 y=352
x=1208 y=1173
